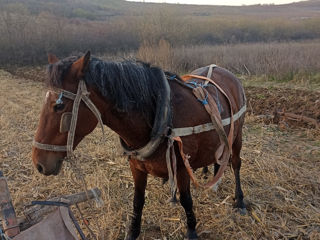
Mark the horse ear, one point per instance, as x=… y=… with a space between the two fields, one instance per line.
x=82 y=64
x=52 y=58
x=86 y=60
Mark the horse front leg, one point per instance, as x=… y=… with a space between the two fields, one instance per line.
x=140 y=183
x=236 y=165
x=183 y=181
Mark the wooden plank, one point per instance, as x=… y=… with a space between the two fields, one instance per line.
x=7 y=214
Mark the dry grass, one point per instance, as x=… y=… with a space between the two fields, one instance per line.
x=280 y=61
x=280 y=179
x=31 y=28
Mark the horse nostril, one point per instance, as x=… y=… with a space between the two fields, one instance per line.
x=40 y=168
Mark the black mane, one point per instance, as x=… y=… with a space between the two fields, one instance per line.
x=129 y=85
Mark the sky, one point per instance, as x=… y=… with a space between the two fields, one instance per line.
x=222 y=2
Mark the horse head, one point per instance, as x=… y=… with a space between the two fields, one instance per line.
x=51 y=137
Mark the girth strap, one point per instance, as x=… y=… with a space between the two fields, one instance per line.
x=186 y=131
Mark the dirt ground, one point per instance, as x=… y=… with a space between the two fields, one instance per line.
x=265 y=101
x=280 y=173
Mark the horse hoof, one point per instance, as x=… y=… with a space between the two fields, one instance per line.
x=242 y=211
x=164 y=180
x=192 y=235
x=173 y=201
x=215 y=187
x=130 y=238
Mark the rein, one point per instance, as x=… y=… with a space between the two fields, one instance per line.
x=82 y=95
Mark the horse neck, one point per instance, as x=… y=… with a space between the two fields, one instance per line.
x=131 y=127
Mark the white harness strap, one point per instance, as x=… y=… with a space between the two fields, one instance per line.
x=181 y=132
x=211 y=67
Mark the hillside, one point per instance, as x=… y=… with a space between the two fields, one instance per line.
x=31 y=28
x=103 y=9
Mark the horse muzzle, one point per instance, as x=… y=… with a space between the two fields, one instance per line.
x=49 y=171
x=49 y=164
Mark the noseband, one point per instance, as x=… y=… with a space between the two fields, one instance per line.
x=82 y=94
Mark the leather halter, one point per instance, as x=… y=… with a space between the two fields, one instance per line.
x=82 y=94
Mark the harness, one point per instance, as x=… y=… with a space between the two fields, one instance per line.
x=222 y=154
x=224 y=151
x=68 y=124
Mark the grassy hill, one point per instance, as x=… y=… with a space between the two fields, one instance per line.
x=103 y=9
x=30 y=28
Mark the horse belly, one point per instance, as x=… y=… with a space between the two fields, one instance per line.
x=206 y=145
x=155 y=165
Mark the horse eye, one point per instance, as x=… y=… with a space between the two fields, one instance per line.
x=58 y=107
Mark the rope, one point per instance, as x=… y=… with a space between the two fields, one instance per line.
x=74 y=119
x=172 y=172
x=79 y=175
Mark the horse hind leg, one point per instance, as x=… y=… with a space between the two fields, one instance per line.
x=236 y=165
x=216 y=167
x=215 y=171
x=205 y=171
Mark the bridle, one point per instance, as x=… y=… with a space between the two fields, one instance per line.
x=82 y=94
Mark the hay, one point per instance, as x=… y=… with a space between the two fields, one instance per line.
x=280 y=179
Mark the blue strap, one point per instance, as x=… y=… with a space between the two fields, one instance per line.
x=172 y=77
x=193 y=83
x=59 y=100
x=204 y=101
x=197 y=84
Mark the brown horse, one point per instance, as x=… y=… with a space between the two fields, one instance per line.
x=131 y=97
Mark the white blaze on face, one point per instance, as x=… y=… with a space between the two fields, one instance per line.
x=47 y=97
x=48 y=94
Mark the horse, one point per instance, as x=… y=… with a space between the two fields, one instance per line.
x=143 y=105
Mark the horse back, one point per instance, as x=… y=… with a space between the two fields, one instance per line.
x=228 y=82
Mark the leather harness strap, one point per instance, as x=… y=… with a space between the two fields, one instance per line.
x=222 y=155
x=230 y=136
